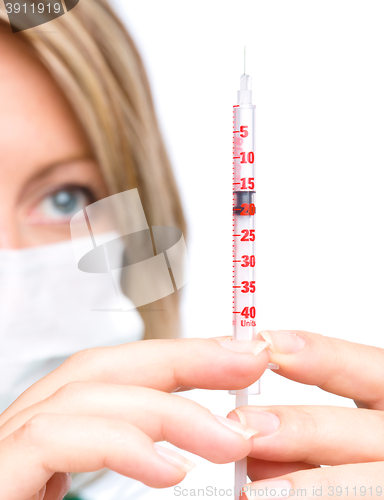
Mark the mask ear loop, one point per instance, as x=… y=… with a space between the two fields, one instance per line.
x=120 y=302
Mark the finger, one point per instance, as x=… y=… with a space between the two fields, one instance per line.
x=162 y=416
x=325 y=435
x=160 y=364
x=50 y=443
x=40 y=495
x=351 y=370
x=263 y=469
x=342 y=482
x=359 y=404
x=58 y=486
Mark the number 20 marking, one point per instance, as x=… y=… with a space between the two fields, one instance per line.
x=248 y=209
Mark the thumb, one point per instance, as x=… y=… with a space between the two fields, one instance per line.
x=58 y=486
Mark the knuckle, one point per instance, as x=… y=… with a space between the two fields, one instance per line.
x=301 y=420
x=309 y=423
x=34 y=429
x=80 y=358
x=71 y=390
x=326 y=481
x=303 y=424
x=95 y=362
x=373 y=421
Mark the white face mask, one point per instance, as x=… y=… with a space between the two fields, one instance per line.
x=49 y=309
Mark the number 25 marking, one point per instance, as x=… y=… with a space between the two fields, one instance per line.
x=248 y=235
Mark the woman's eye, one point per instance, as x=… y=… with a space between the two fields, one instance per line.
x=66 y=202
x=59 y=207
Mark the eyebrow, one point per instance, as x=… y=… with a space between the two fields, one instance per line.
x=47 y=170
x=53 y=166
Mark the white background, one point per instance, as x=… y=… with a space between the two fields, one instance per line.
x=318 y=80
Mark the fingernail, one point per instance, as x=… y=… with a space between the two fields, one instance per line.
x=243 y=430
x=221 y=339
x=282 y=342
x=272 y=489
x=265 y=422
x=175 y=459
x=39 y=495
x=245 y=346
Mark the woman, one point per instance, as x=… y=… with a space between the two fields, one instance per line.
x=77 y=125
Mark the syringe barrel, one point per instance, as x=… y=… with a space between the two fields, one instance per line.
x=244 y=222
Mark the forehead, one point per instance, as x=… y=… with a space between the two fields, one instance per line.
x=37 y=126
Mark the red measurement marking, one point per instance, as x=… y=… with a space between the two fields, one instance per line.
x=237 y=287
x=248 y=235
x=237 y=261
x=235 y=157
x=236 y=312
x=244 y=131
x=236 y=131
x=237 y=105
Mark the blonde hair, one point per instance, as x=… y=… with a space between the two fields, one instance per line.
x=95 y=62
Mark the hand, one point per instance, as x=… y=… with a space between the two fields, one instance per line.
x=293 y=440
x=105 y=407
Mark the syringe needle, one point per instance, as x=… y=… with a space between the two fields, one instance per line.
x=244 y=59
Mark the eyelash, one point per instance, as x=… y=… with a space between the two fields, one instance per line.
x=87 y=191
x=38 y=219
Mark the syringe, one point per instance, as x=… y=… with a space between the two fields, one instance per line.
x=244 y=237
x=244 y=240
